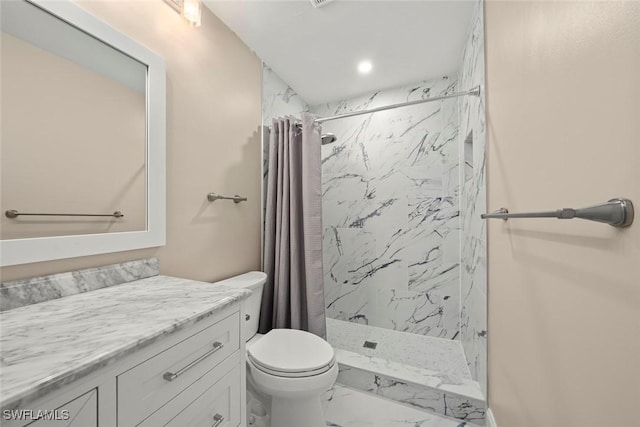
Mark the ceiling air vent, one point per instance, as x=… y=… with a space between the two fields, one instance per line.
x=320 y=3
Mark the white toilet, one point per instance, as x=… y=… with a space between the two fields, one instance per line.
x=293 y=367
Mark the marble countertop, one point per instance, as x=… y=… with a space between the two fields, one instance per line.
x=47 y=345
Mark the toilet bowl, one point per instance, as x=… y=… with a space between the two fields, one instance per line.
x=293 y=368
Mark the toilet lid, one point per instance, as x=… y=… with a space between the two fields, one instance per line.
x=292 y=351
x=301 y=374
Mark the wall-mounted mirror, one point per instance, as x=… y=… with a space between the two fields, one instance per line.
x=82 y=137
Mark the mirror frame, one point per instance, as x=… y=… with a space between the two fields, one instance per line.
x=23 y=251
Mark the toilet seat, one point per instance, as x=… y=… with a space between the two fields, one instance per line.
x=285 y=374
x=291 y=353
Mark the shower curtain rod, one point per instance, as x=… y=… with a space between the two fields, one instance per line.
x=474 y=91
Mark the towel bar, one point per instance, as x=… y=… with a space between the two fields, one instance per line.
x=616 y=212
x=212 y=197
x=12 y=213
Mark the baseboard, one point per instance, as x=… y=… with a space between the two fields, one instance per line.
x=490 y=420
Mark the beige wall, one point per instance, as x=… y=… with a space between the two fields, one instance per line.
x=72 y=141
x=563 y=85
x=213 y=144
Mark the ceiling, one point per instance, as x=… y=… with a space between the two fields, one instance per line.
x=316 y=51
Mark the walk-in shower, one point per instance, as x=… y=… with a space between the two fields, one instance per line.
x=397 y=218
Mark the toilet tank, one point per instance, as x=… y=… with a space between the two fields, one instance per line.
x=253 y=281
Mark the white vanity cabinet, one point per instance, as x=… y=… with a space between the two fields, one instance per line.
x=191 y=377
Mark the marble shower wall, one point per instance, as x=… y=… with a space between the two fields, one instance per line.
x=278 y=99
x=473 y=328
x=390 y=204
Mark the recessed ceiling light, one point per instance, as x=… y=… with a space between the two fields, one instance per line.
x=364 y=67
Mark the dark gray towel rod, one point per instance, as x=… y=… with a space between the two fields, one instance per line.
x=616 y=212
x=14 y=214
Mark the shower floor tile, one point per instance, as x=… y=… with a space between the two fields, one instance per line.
x=346 y=407
x=443 y=356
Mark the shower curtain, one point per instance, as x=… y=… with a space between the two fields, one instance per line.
x=293 y=296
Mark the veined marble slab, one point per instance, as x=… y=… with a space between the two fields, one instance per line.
x=45 y=346
x=437 y=400
x=473 y=266
x=345 y=407
x=433 y=354
x=391 y=211
x=425 y=372
x=411 y=375
x=278 y=99
x=19 y=293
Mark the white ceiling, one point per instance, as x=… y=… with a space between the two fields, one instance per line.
x=316 y=51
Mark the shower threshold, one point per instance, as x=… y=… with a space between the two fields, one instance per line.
x=425 y=372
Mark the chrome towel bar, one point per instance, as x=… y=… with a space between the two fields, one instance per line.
x=12 y=213
x=616 y=212
x=212 y=197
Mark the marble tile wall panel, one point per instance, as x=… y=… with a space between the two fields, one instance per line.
x=19 y=293
x=434 y=400
x=391 y=212
x=472 y=204
x=278 y=99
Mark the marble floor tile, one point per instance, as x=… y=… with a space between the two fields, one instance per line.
x=346 y=407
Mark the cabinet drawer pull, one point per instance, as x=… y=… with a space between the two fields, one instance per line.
x=217 y=420
x=170 y=376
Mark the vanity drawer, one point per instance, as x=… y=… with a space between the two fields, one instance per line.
x=217 y=406
x=151 y=384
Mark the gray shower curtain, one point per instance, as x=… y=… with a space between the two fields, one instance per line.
x=293 y=296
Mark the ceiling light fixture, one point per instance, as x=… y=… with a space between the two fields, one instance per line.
x=365 y=67
x=191 y=10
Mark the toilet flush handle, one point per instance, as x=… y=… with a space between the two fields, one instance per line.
x=247 y=317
